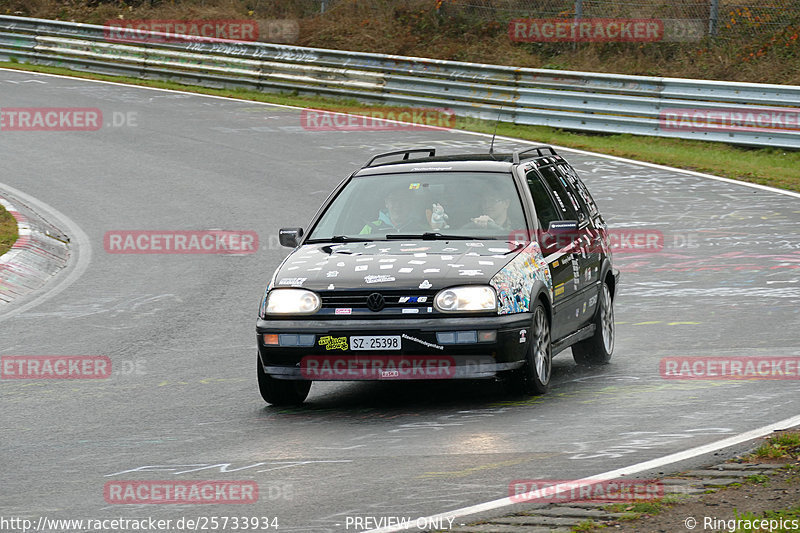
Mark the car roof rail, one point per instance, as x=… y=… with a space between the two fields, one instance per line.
x=539 y=152
x=405 y=153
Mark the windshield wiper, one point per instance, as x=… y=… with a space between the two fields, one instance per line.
x=340 y=238
x=432 y=236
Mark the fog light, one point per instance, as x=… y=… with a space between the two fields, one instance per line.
x=487 y=336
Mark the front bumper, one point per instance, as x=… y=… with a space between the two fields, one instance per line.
x=327 y=352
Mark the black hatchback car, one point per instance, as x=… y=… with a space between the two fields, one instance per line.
x=453 y=267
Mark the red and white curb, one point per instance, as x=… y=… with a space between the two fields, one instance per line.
x=33 y=259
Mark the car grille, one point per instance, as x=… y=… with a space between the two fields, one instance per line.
x=392 y=299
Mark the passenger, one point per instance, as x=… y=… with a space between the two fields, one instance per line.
x=398 y=214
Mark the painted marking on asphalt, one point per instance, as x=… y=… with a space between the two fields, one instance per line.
x=614 y=474
x=489 y=466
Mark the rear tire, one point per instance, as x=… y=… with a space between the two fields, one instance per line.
x=534 y=377
x=281 y=391
x=597 y=349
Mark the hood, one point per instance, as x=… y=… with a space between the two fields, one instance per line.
x=394 y=264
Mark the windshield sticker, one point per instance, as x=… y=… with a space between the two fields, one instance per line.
x=413 y=186
x=379 y=279
x=294 y=282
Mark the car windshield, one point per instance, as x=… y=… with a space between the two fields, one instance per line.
x=480 y=205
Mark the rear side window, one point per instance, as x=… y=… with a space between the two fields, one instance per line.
x=546 y=210
x=566 y=203
x=574 y=181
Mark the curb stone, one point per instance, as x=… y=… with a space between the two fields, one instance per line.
x=558 y=518
x=41 y=250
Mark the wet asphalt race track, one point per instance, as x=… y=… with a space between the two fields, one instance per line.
x=183 y=403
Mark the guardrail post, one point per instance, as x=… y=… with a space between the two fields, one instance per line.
x=713 y=18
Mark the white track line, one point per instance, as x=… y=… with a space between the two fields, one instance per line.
x=574 y=150
x=79 y=244
x=612 y=474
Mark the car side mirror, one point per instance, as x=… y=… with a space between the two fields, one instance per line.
x=290 y=237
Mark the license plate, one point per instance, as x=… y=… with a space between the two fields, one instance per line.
x=375 y=342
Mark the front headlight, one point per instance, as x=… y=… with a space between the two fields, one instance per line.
x=466 y=298
x=292 y=302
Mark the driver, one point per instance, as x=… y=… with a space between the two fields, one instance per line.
x=494 y=213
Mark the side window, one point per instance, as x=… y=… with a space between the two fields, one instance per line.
x=546 y=210
x=578 y=186
x=566 y=203
x=558 y=183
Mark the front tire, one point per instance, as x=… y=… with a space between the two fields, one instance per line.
x=281 y=391
x=534 y=377
x=597 y=349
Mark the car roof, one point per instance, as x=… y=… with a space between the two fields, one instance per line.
x=483 y=162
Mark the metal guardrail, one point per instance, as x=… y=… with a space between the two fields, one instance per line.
x=585 y=101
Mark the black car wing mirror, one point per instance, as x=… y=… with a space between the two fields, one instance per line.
x=290 y=237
